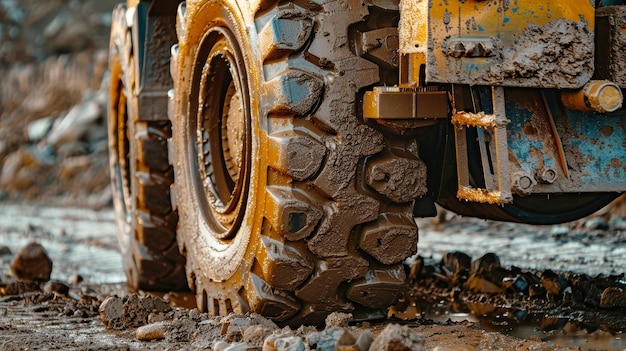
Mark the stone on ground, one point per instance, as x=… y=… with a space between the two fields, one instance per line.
x=32 y=263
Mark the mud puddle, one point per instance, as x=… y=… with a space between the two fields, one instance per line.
x=518 y=323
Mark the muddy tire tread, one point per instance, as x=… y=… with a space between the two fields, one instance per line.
x=152 y=260
x=321 y=207
x=341 y=193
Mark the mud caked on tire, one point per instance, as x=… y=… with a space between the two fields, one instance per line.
x=140 y=176
x=290 y=206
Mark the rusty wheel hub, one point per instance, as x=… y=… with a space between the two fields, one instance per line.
x=223 y=136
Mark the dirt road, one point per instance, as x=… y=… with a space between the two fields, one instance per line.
x=82 y=242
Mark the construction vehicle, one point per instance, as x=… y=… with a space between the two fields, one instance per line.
x=271 y=156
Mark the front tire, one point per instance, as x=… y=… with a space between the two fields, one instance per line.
x=290 y=206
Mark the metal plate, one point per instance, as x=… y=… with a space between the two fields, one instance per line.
x=522 y=43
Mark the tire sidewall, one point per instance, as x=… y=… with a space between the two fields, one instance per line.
x=210 y=258
x=118 y=61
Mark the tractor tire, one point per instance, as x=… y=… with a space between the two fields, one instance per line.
x=290 y=206
x=140 y=177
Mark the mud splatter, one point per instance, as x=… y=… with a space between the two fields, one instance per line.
x=557 y=54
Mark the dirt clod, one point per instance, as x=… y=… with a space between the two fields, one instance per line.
x=136 y=309
x=5 y=250
x=32 y=263
x=111 y=312
x=291 y=343
x=396 y=337
x=338 y=319
x=256 y=334
x=53 y=287
x=19 y=288
x=613 y=297
x=326 y=339
x=154 y=331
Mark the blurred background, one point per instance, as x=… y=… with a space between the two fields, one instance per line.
x=53 y=91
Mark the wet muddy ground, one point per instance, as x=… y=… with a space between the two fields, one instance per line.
x=440 y=309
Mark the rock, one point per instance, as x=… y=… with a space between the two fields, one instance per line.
x=347 y=341
x=269 y=344
x=80 y=314
x=618 y=223
x=559 y=230
x=75 y=124
x=5 y=250
x=255 y=335
x=456 y=261
x=338 y=319
x=536 y=291
x=56 y=288
x=97 y=134
x=74 y=165
x=456 y=348
x=365 y=340
x=596 y=223
x=32 y=263
x=486 y=262
x=67 y=33
x=18 y=288
x=71 y=149
x=220 y=345
x=520 y=284
x=111 y=312
x=233 y=326
x=593 y=296
x=553 y=283
x=613 y=297
x=290 y=343
x=326 y=339
x=154 y=331
x=397 y=337
x=18 y=171
x=224 y=346
x=75 y=279
x=478 y=282
x=38 y=129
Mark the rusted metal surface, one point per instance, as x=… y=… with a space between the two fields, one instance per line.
x=522 y=43
x=495 y=160
x=600 y=96
x=590 y=144
x=545 y=148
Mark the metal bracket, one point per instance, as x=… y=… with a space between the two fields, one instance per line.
x=493 y=141
x=405 y=103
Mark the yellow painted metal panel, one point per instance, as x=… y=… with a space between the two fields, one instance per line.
x=511 y=42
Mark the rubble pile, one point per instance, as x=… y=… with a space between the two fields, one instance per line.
x=145 y=322
x=482 y=282
x=53 y=60
x=152 y=319
x=30 y=269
